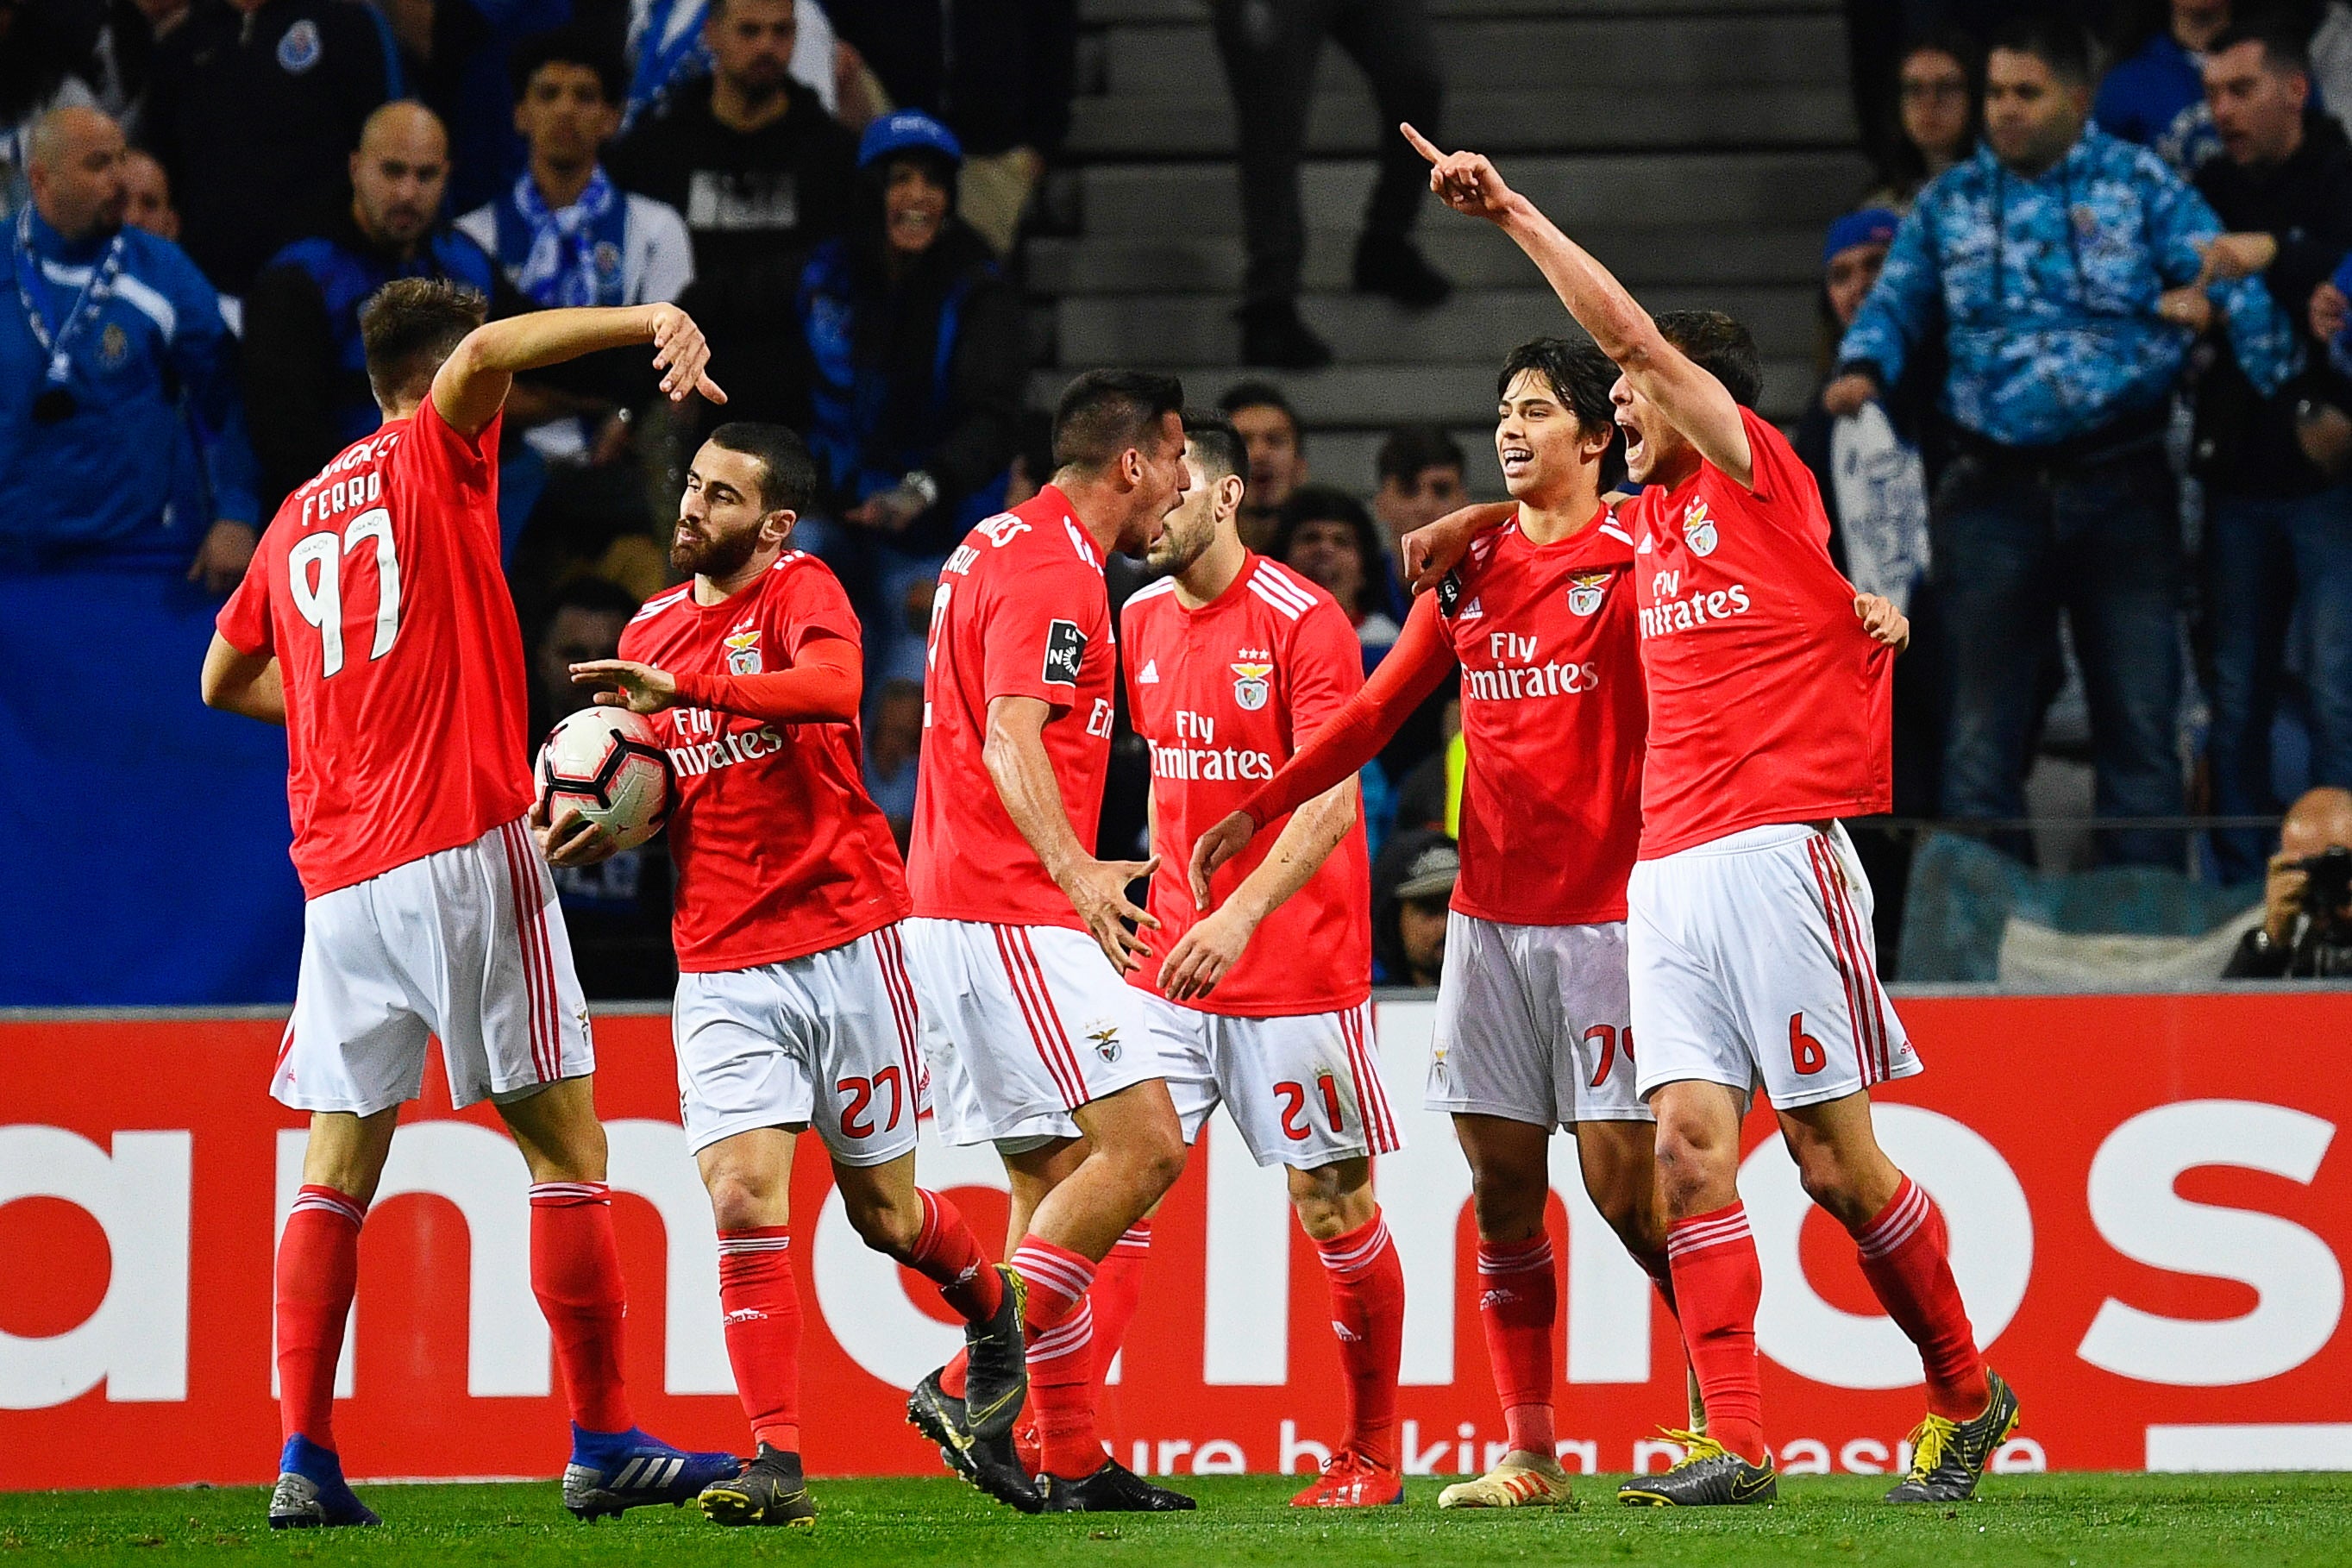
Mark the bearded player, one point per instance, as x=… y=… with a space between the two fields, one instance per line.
x=1532 y=1030
x=1749 y=941
x=793 y=1006
x=374 y=624
x=1261 y=999
x=1020 y=945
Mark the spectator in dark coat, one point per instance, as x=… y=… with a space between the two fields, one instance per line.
x=2278 y=543
x=253 y=107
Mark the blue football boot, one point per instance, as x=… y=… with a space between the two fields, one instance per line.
x=311 y=1492
x=614 y=1470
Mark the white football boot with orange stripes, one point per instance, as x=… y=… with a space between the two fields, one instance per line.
x=1522 y=1480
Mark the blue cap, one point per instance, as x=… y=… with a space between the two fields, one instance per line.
x=906 y=131
x=1870 y=225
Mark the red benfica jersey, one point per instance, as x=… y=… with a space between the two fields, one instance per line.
x=780 y=850
x=1224 y=694
x=1020 y=612
x=1768 y=703
x=378 y=589
x=1552 y=722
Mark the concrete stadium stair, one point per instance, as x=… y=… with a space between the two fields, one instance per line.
x=1699 y=147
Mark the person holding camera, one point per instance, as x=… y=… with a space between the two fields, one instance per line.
x=2306 y=930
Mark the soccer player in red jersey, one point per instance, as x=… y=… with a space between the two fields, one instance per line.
x=1532 y=1029
x=375 y=624
x=1750 y=950
x=1019 y=945
x=794 y=1007
x=1231 y=661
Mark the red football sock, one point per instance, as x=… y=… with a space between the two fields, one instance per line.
x=1717 y=1283
x=1519 y=1302
x=575 y=1272
x=1060 y=1328
x=318 y=1269
x=762 y=1317
x=1905 y=1256
x=1117 y=1292
x=1367 y=1281
x=949 y=1255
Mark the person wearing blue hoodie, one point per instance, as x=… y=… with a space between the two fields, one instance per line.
x=2156 y=96
x=2065 y=271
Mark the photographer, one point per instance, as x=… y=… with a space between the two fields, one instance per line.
x=2306 y=930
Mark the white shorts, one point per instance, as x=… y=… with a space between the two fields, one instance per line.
x=466 y=944
x=1753 y=964
x=825 y=1040
x=1532 y=1025
x=1021 y=1025
x=1305 y=1090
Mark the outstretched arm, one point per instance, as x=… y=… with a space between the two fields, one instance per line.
x=1354 y=735
x=1694 y=400
x=471 y=385
x=822 y=687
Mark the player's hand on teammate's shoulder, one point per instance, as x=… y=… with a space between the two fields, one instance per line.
x=571 y=840
x=1883 y=621
x=1434 y=549
x=1226 y=839
x=639 y=688
x=1206 y=953
x=682 y=355
x=1467 y=182
x=1097 y=891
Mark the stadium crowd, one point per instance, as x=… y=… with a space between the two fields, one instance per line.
x=2085 y=406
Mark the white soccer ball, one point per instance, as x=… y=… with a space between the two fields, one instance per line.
x=608 y=764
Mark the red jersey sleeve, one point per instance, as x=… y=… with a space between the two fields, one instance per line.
x=244 y=621
x=1775 y=474
x=464 y=470
x=1363 y=724
x=1037 y=636
x=1327 y=668
x=812 y=606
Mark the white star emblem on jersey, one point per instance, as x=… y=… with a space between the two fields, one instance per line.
x=1150 y=676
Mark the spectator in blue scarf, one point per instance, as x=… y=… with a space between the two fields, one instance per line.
x=2156 y=96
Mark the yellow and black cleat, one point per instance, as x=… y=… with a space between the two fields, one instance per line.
x=770 y=1491
x=1949 y=1457
x=1708 y=1475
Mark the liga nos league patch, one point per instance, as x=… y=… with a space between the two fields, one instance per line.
x=1065 y=646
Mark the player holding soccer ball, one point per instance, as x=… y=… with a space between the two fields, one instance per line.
x=1750 y=940
x=1259 y=987
x=1532 y=1021
x=794 y=1007
x=1019 y=945
x=375 y=626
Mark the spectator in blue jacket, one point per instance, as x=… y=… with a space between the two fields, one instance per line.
x=2156 y=96
x=108 y=329
x=2067 y=270
x=305 y=382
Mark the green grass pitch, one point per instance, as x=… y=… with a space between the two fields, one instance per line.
x=2143 y=1522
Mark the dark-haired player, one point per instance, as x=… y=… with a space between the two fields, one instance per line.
x=1260 y=987
x=1019 y=944
x=794 y=1007
x=374 y=624
x=1749 y=939
x=1532 y=1029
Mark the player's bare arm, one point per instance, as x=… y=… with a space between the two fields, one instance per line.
x=1883 y=621
x=1434 y=549
x=1206 y=953
x=1015 y=754
x=471 y=385
x=247 y=683
x=1694 y=401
